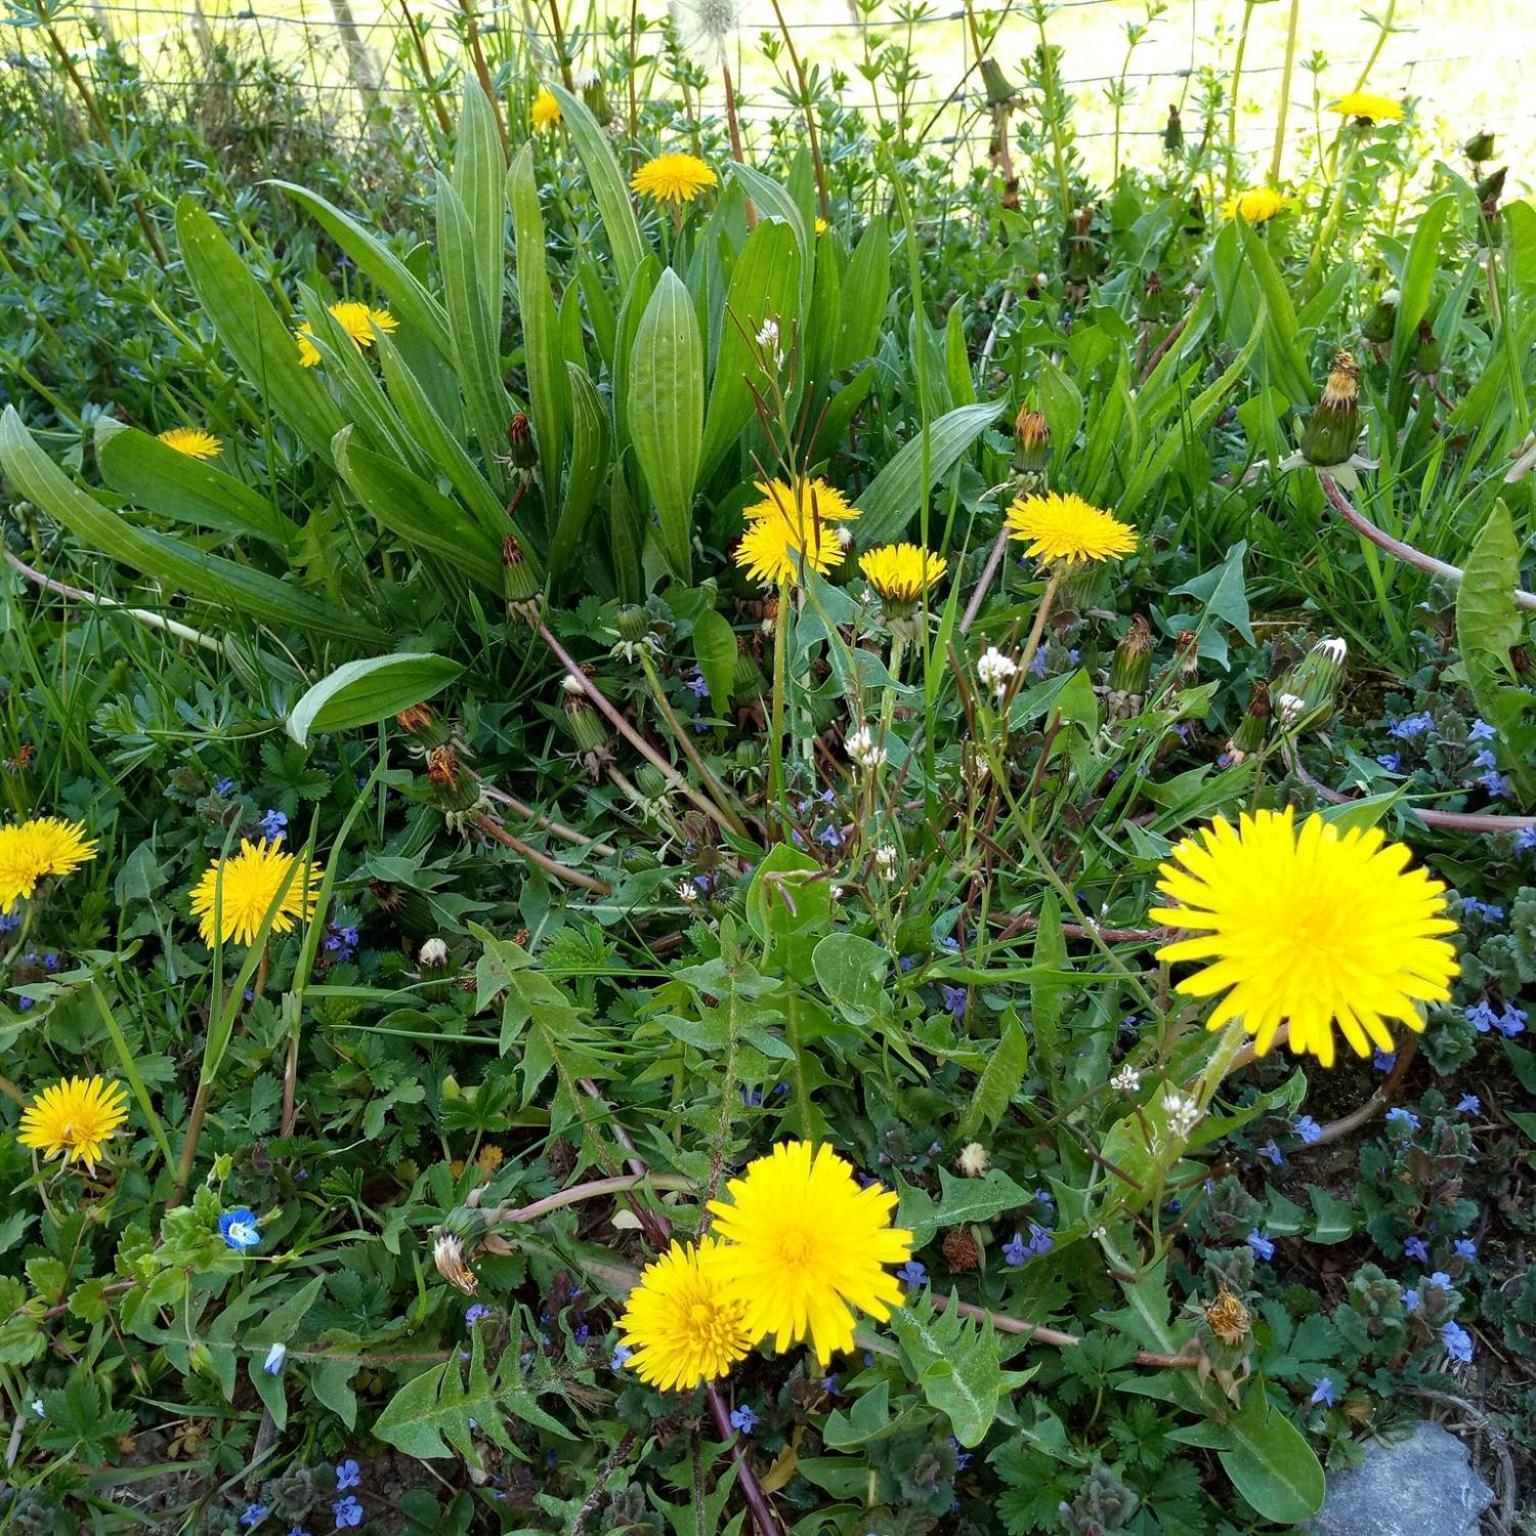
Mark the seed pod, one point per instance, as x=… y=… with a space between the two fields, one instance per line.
x=1333 y=432
x=1479 y=147
x=996 y=84
x=1426 y=357
x=961 y=1250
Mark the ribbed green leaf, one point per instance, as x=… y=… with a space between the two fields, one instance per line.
x=1418 y=279
x=407 y=505
x=262 y=346
x=714 y=644
x=479 y=168
x=153 y=475
x=773 y=202
x=605 y=182
x=866 y=287
x=409 y=302
x=891 y=498
x=589 y=463
x=548 y=389
x=666 y=405
x=764 y=286
x=367 y=691
x=473 y=340
x=177 y=566
x=636 y=297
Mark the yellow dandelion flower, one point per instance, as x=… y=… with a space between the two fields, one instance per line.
x=250 y=882
x=358 y=320
x=1368 y=107
x=673 y=178
x=682 y=1323
x=901 y=573
x=810 y=501
x=192 y=441
x=783 y=540
x=73 y=1119
x=1315 y=926
x=1258 y=205
x=821 y=225
x=805 y=1246
x=1067 y=530
x=545 y=112
x=32 y=850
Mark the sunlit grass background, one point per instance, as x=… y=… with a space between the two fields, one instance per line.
x=1461 y=59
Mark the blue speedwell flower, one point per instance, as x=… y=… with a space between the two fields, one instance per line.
x=1308 y=1129
x=239 y=1229
x=1457 y=1341
x=1261 y=1245
x=348 y=1475
x=347 y=1512
x=1323 y=1392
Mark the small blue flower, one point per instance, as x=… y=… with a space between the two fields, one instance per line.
x=1469 y=1104
x=1384 y=1061
x=10 y=924
x=1417 y=1249
x=239 y=1229
x=1040 y=1241
x=347 y=1512
x=1495 y=784
x=1525 y=839
x=1411 y=725
x=253 y=1514
x=1015 y=1251
x=1391 y=761
x=273 y=825
x=348 y=1475
x=1480 y=730
x=1511 y=1022
x=1323 y=1392
x=1261 y=1245
x=1402 y=1119
x=954 y=1000
x=697 y=684
x=273 y=1364
x=1307 y=1128
x=912 y=1274
x=743 y=1420
x=1465 y=1248
x=1457 y=1341
x=1480 y=1015
x=223 y=788
x=829 y=1383
x=1412 y=1301
x=1441 y=1281
x=962 y=1456
x=1272 y=1152
x=622 y=1355
x=50 y=962
x=475 y=1313
x=906 y=963
x=1486 y=758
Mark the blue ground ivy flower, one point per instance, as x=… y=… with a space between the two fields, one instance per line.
x=1402 y=1119
x=1412 y=1301
x=1384 y=1061
x=1485 y=759
x=223 y=788
x=1441 y=1281
x=697 y=685
x=1272 y=1152
x=1466 y=1248
x=1016 y=1251
x=239 y=1229
x=253 y=1514
x=347 y=1512
x=1525 y=839
x=1307 y=1128
x=273 y=1364
x=1495 y=784
x=621 y=1357
x=1417 y=1249
x=10 y=924
x=912 y=1274
x=1469 y=1104
x=1480 y=730
x=743 y=1420
x=954 y=1000
x=348 y=1475
x=475 y=1313
x=1323 y=1392
x=1391 y=761
x=1457 y=1341
x=1487 y=910
x=1411 y=725
x=1261 y=1245
x=273 y=826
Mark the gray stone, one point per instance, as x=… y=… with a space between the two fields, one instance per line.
x=1422 y=1486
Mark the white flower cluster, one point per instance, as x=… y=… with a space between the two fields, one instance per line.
x=996 y=670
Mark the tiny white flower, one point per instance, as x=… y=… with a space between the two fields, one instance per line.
x=687 y=892
x=433 y=953
x=864 y=750
x=275 y=1357
x=1183 y=1113
x=1126 y=1080
x=974 y=1160
x=36 y=1405
x=768 y=335
x=885 y=857
x=572 y=684
x=995 y=669
x=1099 y=1234
x=835 y=892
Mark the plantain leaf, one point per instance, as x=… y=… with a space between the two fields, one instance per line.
x=155 y=476
x=774 y=202
x=409 y=301
x=714 y=644
x=369 y=690
x=666 y=412
x=178 y=566
x=479 y=168
x=1270 y=1462
x=589 y=464
x=606 y=184
x=890 y=499
x=866 y=287
x=262 y=346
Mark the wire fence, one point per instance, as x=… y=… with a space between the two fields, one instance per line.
x=362 y=57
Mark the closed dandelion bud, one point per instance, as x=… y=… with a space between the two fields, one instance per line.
x=1426 y=357
x=517 y=582
x=587 y=727
x=961 y=1250
x=409 y=910
x=417 y=720
x=995 y=83
x=1382 y=320
x=634 y=623
x=520 y=445
x=1032 y=441
x=1130 y=671
x=749 y=755
x=1253 y=730
x=458 y=791
x=650 y=781
x=595 y=95
x=1479 y=147
x=1185 y=666
x=1333 y=431
x=636 y=860
x=200 y=1360
x=1173 y=132
x=1305 y=693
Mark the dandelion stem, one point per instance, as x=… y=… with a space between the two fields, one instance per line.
x=751 y=1490
x=1032 y=644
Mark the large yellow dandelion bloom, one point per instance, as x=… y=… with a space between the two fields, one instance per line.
x=74 y=1119
x=1368 y=107
x=682 y=1324
x=545 y=112
x=1066 y=530
x=1258 y=205
x=192 y=441
x=356 y=319
x=251 y=880
x=790 y=530
x=32 y=850
x=673 y=178
x=1314 y=926
x=805 y=1245
x=809 y=501
x=901 y=573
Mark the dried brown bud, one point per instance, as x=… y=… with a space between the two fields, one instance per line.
x=520 y=442
x=1228 y=1318
x=961 y=1251
x=448 y=1255
x=443 y=768
x=416 y=719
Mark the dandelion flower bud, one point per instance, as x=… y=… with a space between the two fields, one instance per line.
x=1305 y=693
x=1131 y=669
x=1253 y=730
x=1334 y=428
x=1479 y=147
x=1173 y=132
x=433 y=954
x=1032 y=441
